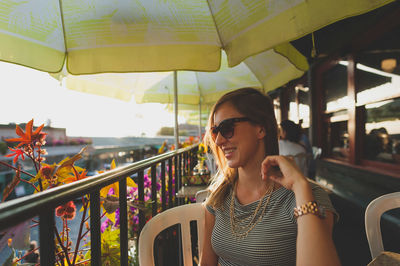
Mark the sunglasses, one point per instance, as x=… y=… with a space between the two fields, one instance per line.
x=226 y=128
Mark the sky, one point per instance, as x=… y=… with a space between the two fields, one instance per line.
x=28 y=93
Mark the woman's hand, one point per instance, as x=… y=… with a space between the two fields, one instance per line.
x=282 y=170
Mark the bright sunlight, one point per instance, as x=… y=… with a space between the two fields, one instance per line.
x=46 y=99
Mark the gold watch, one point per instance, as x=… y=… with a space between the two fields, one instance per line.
x=310 y=207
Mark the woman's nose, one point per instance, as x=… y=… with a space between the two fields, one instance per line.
x=219 y=140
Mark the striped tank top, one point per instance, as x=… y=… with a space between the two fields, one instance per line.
x=272 y=241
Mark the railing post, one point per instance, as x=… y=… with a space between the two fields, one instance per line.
x=176 y=180
x=181 y=201
x=46 y=237
x=185 y=166
x=123 y=222
x=163 y=185
x=188 y=161
x=170 y=177
x=95 y=223
x=154 y=190
x=140 y=184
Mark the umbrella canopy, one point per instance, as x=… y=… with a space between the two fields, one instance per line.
x=99 y=36
x=267 y=71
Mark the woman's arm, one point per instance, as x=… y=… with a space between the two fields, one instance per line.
x=314 y=236
x=208 y=256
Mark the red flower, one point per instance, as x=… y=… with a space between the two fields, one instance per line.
x=16 y=153
x=67 y=211
x=29 y=135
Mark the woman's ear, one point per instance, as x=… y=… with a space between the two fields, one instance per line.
x=260 y=132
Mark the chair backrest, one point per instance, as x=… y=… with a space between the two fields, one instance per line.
x=201 y=195
x=373 y=214
x=182 y=215
x=211 y=165
x=316 y=152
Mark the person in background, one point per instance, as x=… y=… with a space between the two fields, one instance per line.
x=305 y=142
x=261 y=209
x=304 y=138
x=289 y=144
x=33 y=254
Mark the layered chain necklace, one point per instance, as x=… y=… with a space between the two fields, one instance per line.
x=241 y=228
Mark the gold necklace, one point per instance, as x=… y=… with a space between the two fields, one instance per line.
x=240 y=231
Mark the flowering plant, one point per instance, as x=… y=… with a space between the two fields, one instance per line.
x=109 y=225
x=29 y=144
x=200 y=174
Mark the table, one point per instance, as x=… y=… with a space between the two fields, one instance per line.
x=386 y=258
x=189 y=191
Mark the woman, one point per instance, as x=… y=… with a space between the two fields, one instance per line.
x=249 y=217
x=289 y=144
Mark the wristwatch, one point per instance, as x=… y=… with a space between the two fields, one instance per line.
x=310 y=207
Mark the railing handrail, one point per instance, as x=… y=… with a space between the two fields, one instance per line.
x=18 y=210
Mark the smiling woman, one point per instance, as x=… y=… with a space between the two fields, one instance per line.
x=81 y=114
x=255 y=214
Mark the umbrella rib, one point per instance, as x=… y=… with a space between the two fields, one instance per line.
x=64 y=35
x=215 y=24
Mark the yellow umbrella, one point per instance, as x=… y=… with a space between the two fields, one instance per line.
x=98 y=36
x=266 y=71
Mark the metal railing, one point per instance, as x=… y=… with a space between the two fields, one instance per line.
x=43 y=204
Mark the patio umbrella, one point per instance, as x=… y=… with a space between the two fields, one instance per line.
x=97 y=36
x=265 y=71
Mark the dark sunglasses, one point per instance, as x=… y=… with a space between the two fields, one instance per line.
x=226 y=128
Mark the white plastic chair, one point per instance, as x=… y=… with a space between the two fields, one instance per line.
x=211 y=165
x=316 y=152
x=201 y=195
x=373 y=215
x=182 y=215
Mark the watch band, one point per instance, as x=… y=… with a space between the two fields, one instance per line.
x=310 y=207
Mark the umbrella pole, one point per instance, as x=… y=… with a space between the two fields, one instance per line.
x=200 y=120
x=176 y=132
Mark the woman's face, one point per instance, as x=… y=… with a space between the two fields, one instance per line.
x=246 y=142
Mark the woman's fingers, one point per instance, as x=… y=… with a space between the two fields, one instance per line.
x=270 y=167
x=276 y=167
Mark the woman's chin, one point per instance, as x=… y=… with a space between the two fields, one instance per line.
x=232 y=164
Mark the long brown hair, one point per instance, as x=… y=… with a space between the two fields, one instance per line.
x=259 y=108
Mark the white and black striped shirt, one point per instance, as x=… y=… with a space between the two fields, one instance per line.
x=272 y=241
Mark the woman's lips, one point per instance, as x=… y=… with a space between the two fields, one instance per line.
x=228 y=152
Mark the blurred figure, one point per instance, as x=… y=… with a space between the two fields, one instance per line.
x=305 y=142
x=304 y=138
x=289 y=144
x=7 y=254
x=377 y=143
x=33 y=254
